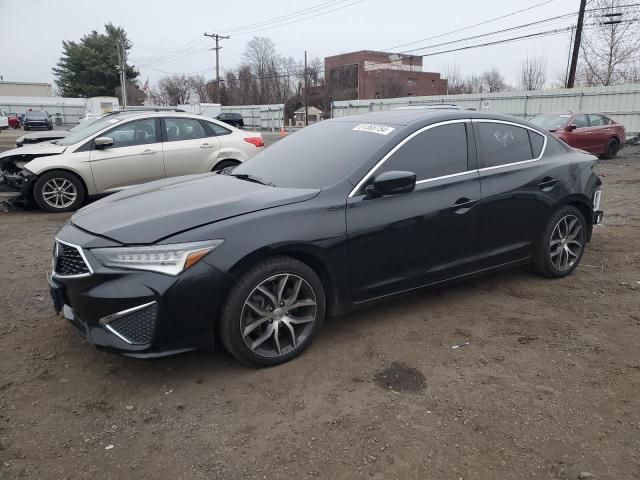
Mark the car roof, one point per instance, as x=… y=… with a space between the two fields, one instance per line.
x=149 y=114
x=420 y=117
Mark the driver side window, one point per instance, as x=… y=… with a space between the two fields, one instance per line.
x=138 y=132
x=580 y=121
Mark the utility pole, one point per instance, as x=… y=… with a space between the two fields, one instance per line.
x=566 y=73
x=576 y=45
x=306 y=91
x=122 y=63
x=217 y=48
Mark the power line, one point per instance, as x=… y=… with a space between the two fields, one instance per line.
x=471 y=26
x=297 y=13
x=251 y=32
x=217 y=49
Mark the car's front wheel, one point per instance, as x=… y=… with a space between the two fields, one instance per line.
x=562 y=245
x=58 y=191
x=225 y=164
x=272 y=312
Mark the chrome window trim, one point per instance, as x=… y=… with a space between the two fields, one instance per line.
x=522 y=162
x=397 y=147
x=84 y=258
x=104 y=321
x=444 y=177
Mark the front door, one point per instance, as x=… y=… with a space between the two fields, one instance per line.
x=188 y=148
x=581 y=136
x=405 y=241
x=134 y=158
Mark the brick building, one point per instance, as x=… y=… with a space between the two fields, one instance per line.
x=368 y=74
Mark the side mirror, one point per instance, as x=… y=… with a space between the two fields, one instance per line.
x=103 y=142
x=571 y=128
x=392 y=183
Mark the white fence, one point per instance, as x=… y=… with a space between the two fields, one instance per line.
x=260 y=117
x=622 y=103
x=64 y=111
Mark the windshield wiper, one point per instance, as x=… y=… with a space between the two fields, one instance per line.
x=251 y=178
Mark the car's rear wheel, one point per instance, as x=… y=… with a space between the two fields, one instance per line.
x=225 y=164
x=562 y=245
x=272 y=312
x=612 y=148
x=58 y=191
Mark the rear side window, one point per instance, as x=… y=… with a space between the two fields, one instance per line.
x=597 y=120
x=433 y=153
x=178 y=129
x=502 y=143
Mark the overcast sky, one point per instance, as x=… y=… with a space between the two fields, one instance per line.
x=32 y=31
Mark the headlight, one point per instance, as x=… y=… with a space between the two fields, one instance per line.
x=169 y=259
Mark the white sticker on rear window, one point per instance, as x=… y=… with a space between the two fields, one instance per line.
x=374 y=128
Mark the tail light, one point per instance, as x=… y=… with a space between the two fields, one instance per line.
x=257 y=141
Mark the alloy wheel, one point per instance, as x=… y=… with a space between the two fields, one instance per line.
x=59 y=193
x=278 y=315
x=567 y=242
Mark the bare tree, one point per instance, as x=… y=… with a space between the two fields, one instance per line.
x=474 y=84
x=455 y=83
x=260 y=55
x=533 y=73
x=493 y=81
x=610 y=53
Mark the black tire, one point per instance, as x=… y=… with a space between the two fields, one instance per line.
x=230 y=322
x=613 y=146
x=542 y=258
x=225 y=164
x=43 y=184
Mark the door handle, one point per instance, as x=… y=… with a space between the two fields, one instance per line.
x=148 y=151
x=206 y=145
x=548 y=183
x=463 y=205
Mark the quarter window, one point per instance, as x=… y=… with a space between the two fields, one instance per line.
x=178 y=129
x=217 y=130
x=433 y=153
x=502 y=144
x=537 y=142
x=138 y=132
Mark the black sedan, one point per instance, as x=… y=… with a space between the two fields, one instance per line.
x=341 y=214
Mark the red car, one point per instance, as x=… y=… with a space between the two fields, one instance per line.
x=14 y=122
x=592 y=132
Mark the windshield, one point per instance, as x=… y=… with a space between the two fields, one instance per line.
x=37 y=114
x=315 y=157
x=87 y=130
x=550 y=122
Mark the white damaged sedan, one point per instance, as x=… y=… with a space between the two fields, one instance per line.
x=121 y=151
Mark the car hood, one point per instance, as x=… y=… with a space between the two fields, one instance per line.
x=156 y=210
x=36 y=149
x=48 y=134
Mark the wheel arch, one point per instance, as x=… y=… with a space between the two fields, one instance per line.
x=582 y=203
x=65 y=170
x=309 y=256
x=218 y=162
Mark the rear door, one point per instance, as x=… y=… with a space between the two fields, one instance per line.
x=134 y=158
x=515 y=185
x=188 y=147
x=404 y=241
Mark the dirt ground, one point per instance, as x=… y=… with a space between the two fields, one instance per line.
x=547 y=387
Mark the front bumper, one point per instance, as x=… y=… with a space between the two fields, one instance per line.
x=137 y=313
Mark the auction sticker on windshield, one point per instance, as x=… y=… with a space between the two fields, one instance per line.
x=374 y=128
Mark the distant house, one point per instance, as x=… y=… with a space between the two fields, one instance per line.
x=315 y=115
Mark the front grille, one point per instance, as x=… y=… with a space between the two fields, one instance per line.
x=68 y=261
x=136 y=327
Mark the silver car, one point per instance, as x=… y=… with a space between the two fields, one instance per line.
x=120 y=151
